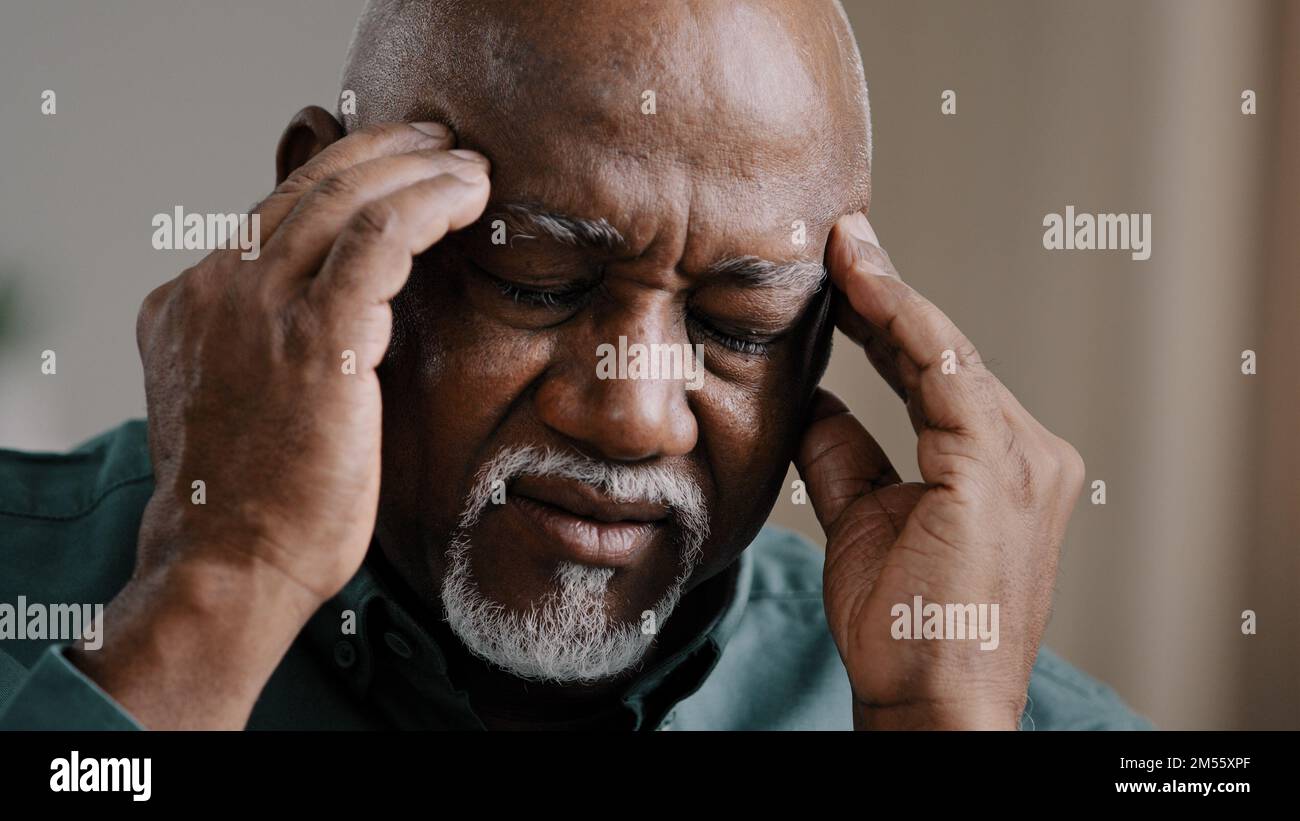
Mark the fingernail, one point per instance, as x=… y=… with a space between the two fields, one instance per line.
x=871 y=268
x=473 y=174
x=466 y=154
x=435 y=130
x=861 y=229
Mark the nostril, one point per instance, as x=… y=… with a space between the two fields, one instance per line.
x=625 y=419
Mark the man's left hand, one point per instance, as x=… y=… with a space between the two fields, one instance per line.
x=984 y=526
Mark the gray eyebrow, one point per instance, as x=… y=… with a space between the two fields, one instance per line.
x=805 y=277
x=526 y=221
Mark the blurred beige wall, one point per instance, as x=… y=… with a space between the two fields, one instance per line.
x=1107 y=106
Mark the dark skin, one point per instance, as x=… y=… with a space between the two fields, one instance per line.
x=668 y=185
x=745 y=141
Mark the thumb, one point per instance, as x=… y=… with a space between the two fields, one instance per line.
x=839 y=461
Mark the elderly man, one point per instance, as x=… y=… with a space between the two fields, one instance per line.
x=389 y=482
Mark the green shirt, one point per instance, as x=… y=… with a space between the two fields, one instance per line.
x=762 y=659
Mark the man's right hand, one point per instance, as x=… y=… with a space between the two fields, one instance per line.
x=249 y=393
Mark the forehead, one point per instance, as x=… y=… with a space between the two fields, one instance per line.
x=726 y=123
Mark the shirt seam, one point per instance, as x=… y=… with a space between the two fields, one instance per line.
x=66 y=517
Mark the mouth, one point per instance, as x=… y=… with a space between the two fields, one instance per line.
x=580 y=524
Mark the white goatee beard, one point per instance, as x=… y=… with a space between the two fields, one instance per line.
x=567 y=636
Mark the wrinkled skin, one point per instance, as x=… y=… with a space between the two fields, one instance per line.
x=690 y=185
x=759 y=122
x=984 y=526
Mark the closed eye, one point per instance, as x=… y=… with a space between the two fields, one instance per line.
x=571 y=296
x=732 y=342
x=566 y=298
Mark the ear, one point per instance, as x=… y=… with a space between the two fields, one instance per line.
x=304 y=137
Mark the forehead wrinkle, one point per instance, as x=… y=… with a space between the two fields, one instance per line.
x=802 y=276
x=485 y=68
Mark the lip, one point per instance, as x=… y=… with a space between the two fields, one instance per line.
x=585 y=501
x=585 y=527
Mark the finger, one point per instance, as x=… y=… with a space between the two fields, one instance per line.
x=924 y=339
x=882 y=356
x=840 y=462
x=371 y=260
x=898 y=372
x=852 y=240
x=306 y=235
x=378 y=140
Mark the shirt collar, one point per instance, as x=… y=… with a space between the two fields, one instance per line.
x=394 y=667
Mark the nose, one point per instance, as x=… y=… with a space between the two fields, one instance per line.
x=614 y=415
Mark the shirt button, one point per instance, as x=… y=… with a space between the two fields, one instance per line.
x=398 y=644
x=345 y=655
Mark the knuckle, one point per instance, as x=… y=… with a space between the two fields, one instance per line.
x=911 y=302
x=875 y=255
x=396 y=131
x=267 y=295
x=302 y=179
x=302 y=330
x=442 y=162
x=194 y=286
x=154 y=300
x=967 y=353
x=188 y=288
x=342 y=185
x=343 y=153
x=375 y=221
x=150 y=309
x=1073 y=467
x=374 y=328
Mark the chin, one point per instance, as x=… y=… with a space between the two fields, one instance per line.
x=568 y=634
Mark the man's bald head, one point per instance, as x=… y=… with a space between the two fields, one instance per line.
x=663 y=173
x=724 y=75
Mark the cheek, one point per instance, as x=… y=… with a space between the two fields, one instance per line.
x=460 y=374
x=463 y=356
x=755 y=410
x=749 y=433
x=448 y=386
x=747 y=438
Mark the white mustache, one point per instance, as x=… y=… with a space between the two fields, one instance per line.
x=621 y=483
x=566 y=636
